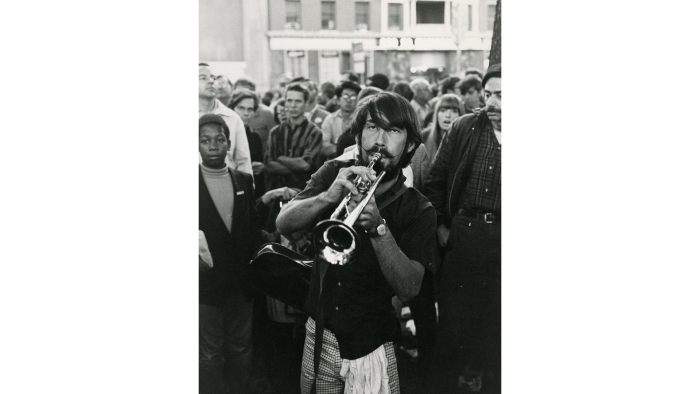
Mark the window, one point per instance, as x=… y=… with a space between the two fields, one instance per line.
x=492 y=17
x=293 y=13
x=430 y=12
x=328 y=15
x=469 y=20
x=362 y=15
x=395 y=16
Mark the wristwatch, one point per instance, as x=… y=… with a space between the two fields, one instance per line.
x=379 y=231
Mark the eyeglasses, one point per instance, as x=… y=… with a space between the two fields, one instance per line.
x=348 y=97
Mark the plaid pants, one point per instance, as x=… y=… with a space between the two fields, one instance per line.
x=329 y=380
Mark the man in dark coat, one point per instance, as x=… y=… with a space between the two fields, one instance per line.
x=464 y=186
x=226 y=218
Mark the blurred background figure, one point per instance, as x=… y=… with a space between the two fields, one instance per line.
x=471 y=90
x=245 y=103
x=224 y=89
x=421 y=97
x=267 y=98
x=346 y=140
x=474 y=71
x=379 y=81
x=280 y=112
x=332 y=104
x=339 y=121
x=404 y=90
x=327 y=93
x=262 y=120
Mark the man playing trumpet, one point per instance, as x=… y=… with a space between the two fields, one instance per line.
x=351 y=303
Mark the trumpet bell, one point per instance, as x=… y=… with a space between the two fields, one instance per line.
x=335 y=241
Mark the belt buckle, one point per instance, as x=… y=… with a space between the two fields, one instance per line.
x=486 y=218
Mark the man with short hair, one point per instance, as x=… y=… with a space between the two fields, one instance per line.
x=239 y=153
x=474 y=71
x=421 y=97
x=352 y=322
x=339 y=122
x=449 y=85
x=224 y=89
x=262 y=120
x=379 y=81
x=332 y=105
x=464 y=186
x=294 y=145
x=226 y=218
x=470 y=88
x=445 y=86
x=313 y=112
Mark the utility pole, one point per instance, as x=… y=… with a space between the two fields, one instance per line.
x=456 y=32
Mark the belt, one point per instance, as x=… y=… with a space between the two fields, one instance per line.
x=487 y=217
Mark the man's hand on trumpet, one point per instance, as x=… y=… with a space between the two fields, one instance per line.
x=370 y=217
x=344 y=183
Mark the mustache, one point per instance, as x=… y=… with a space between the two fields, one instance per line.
x=381 y=150
x=492 y=109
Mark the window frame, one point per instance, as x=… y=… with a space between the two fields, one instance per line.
x=334 y=15
x=366 y=5
x=400 y=16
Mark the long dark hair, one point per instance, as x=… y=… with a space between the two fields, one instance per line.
x=388 y=109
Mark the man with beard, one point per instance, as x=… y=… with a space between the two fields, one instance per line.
x=352 y=320
x=464 y=186
x=239 y=154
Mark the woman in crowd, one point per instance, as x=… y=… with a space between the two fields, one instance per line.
x=447 y=109
x=280 y=112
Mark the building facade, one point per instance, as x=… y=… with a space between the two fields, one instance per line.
x=320 y=39
x=400 y=38
x=233 y=39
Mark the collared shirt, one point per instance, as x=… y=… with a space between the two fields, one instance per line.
x=334 y=126
x=302 y=140
x=483 y=190
x=238 y=157
x=357 y=297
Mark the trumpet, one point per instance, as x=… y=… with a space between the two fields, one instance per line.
x=334 y=239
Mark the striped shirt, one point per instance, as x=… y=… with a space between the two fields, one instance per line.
x=302 y=140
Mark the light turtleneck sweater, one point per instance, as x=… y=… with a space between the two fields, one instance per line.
x=220 y=188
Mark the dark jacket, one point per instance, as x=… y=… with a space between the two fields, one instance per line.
x=257 y=153
x=454 y=158
x=231 y=252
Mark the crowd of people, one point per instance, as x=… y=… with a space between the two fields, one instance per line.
x=275 y=164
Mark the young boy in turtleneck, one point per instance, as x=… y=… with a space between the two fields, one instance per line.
x=226 y=217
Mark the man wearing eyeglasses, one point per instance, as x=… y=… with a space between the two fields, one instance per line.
x=339 y=121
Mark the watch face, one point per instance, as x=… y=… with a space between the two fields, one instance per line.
x=381 y=229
